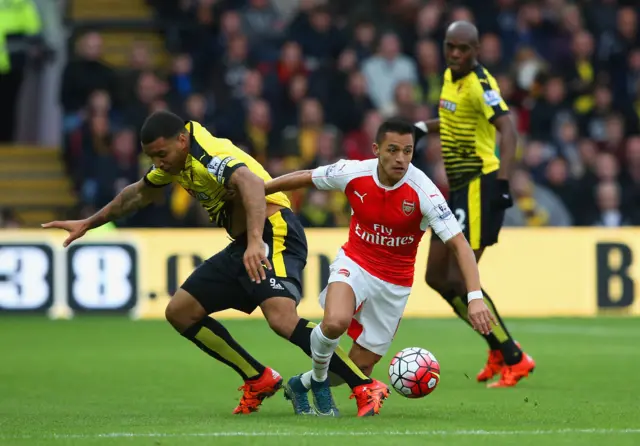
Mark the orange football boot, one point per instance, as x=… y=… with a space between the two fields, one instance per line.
x=256 y=390
x=511 y=374
x=494 y=365
x=369 y=397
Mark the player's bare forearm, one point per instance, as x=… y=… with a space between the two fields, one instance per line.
x=508 y=145
x=251 y=189
x=433 y=125
x=131 y=199
x=291 y=181
x=466 y=261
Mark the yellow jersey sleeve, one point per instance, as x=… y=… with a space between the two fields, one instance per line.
x=488 y=94
x=220 y=156
x=157 y=178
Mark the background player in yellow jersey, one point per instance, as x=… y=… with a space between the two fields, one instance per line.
x=471 y=110
x=261 y=267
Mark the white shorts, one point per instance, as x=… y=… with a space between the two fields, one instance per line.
x=379 y=304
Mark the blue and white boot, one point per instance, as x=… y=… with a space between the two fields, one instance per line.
x=297 y=393
x=323 y=399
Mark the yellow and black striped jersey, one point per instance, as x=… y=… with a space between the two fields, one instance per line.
x=468 y=106
x=210 y=163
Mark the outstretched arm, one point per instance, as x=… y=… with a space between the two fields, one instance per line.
x=466 y=261
x=290 y=181
x=438 y=215
x=133 y=197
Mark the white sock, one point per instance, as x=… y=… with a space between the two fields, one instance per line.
x=322 y=349
x=306 y=379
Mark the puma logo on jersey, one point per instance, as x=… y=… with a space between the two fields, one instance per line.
x=361 y=197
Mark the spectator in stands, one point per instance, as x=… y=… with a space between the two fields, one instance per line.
x=300 y=142
x=534 y=205
x=257 y=137
x=566 y=142
x=290 y=64
x=609 y=212
x=112 y=170
x=386 y=69
x=328 y=149
x=228 y=74
x=363 y=41
x=9 y=219
x=293 y=96
x=350 y=105
x=581 y=72
x=84 y=74
x=571 y=23
x=20 y=43
x=550 y=110
x=148 y=90
x=536 y=155
x=559 y=181
x=197 y=108
x=230 y=119
x=614 y=136
x=264 y=26
x=616 y=43
x=322 y=39
x=182 y=81
x=139 y=62
x=428 y=25
x=316 y=213
x=358 y=143
x=430 y=72
x=404 y=103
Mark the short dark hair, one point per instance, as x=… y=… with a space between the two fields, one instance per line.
x=161 y=124
x=393 y=125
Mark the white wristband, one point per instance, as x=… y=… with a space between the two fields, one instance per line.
x=473 y=295
x=422 y=126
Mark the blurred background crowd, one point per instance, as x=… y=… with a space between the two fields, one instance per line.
x=301 y=83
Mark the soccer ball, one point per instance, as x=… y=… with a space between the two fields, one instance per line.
x=414 y=372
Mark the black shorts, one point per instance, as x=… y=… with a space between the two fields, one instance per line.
x=471 y=205
x=222 y=282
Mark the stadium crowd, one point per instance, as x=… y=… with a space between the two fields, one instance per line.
x=300 y=83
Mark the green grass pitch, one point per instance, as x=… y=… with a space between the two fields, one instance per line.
x=112 y=381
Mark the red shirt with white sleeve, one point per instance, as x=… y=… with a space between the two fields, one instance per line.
x=387 y=223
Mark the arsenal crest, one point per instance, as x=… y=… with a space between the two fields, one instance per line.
x=408 y=207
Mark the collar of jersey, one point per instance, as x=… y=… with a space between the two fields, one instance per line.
x=454 y=79
x=395 y=186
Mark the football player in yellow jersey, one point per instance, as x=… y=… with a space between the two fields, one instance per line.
x=262 y=266
x=471 y=112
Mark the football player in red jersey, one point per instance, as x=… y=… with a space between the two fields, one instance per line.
x=393 y=204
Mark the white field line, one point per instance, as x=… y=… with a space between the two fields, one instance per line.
x=407 y=433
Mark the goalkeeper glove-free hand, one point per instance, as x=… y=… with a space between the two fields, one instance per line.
x=501 y=195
